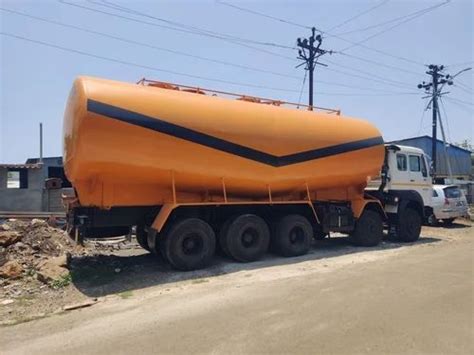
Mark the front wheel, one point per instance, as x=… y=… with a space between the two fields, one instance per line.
x=142 y=237
x=448 y=221
x=369 y=229
x=409 y=225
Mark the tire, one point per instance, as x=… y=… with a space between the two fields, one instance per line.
x=369 y=229
x=247 y=238
x=222 y=237
x=320 y=235
x=409 y=226
x=432 y=220
x=142 y=237
x=448 y=222
x=293 y=235
x=189 y=244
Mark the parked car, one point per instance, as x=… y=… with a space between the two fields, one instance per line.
x=448 y=204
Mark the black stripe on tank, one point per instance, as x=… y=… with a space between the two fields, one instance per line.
x=174 y=130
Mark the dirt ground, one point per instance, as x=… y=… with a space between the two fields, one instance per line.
x=118 y=270
x=339 y=299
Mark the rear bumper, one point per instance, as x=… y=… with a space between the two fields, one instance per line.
x=447 y=213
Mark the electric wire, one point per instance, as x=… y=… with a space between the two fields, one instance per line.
x=360 y=14
x=111 y=4
x=243 y=9
x=461 y=101
x=119 y=61
x=178 y=29
x=187 y=31
x=147 y=45
x=263 y=15
x=302 y=87
x=380 y=24
x=394 y=26
x=151 y=46
x=128 y=63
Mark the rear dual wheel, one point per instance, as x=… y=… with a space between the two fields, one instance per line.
x=293 y=234
x=245 y=238
x=188 y=244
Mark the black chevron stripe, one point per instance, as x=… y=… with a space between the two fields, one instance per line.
x=174 y=130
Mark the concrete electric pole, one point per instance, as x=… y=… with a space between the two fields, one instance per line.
x=310 y=54
x=434 y=90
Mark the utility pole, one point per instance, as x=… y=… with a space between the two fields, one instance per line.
x=434 y=90
x=437 y=79
x=310 y=54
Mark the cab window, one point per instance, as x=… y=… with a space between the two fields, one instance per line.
x=402 y=162
x=424 y=170
x=415 y=163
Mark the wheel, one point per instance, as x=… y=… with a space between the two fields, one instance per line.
x=293 y=235
x=222 y=237
x=448 y=221
x=319 y=234
x=432 y=220
x=247 y=238
x=189 y=244
x=409 y=226
x=142 y=237
x=369 y=229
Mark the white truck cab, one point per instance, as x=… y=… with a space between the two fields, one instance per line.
x=409 y=169
x=404 y=184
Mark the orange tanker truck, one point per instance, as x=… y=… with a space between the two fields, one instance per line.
x=194 y=170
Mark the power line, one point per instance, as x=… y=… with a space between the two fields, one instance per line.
x=462 y=101
x=445 y=118
x=322 y=32
x=463 y=89
x=378 y=63
x=119 y=61
x=366 y=11
x=381 y=80
x=432 y=8
x=370 y=76
x=380 y=24
x=183 y=30
x=460 y=64
x=117 y=38
x=147 y=45
x=263 y=15
x=461 y=106
x=302 y=88
x=111 y=4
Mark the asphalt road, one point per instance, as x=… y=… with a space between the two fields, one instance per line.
x=416 y=299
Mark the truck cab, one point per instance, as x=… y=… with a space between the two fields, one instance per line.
x=405 y=181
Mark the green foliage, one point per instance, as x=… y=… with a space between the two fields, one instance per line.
x=61 y=282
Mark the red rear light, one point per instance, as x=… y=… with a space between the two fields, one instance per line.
x=446 y=201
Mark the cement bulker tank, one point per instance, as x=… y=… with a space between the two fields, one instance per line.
x=127 y=144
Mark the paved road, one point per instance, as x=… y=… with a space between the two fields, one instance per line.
x=415 y=300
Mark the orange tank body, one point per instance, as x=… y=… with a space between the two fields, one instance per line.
x=136 y=145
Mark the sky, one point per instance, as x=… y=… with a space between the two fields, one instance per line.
x=375 y=80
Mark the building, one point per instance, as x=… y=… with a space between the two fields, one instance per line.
x=33 y=186
x=459 y=158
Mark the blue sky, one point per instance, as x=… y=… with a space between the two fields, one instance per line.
x=36 y=79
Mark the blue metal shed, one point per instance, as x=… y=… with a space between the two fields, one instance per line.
x=459 y=158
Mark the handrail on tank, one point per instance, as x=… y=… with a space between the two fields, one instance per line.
x=255 y=99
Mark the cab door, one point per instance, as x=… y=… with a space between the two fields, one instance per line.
x=419 y=177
